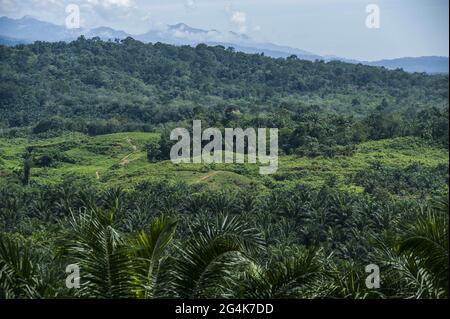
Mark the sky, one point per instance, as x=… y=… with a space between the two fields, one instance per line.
x=325 y=27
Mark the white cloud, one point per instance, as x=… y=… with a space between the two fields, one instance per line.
x=239 y=18
x=111 y=3
x=7 y=5
x=189 y=4
x=228 y=7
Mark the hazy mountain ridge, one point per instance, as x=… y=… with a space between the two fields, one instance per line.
x=28 y=30
x=433 y=64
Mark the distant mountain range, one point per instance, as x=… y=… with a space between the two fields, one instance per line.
x=28 y=30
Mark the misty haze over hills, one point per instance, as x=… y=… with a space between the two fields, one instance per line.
x=28 y=30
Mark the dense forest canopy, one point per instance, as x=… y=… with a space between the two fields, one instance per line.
x=99 y=87
x=156 y=83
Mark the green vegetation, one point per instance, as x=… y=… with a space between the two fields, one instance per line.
x=85 y=177
x=120 y=159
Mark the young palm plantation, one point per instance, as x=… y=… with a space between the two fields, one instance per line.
x=219 y=256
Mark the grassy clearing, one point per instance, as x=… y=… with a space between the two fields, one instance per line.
x=120 y=159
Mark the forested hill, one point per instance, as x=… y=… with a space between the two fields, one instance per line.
x=132 y=82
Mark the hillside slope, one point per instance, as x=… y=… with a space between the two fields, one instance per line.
x=159 y=83
x=120 y=160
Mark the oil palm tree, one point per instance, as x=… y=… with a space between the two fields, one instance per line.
x=416 y=263
x=208 y=264
x=94 y=244
x=21 y=275
x=112 y=266
x=147 y=252
x=289 y=273
x=427 y=241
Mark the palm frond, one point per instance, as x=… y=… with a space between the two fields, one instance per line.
x=210 y=260
x=100 y=251
x=147 y=251
x=19 y=276
x=286 y=277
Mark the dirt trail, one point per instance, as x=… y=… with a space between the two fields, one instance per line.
x=204 y=178
x=125 y=160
